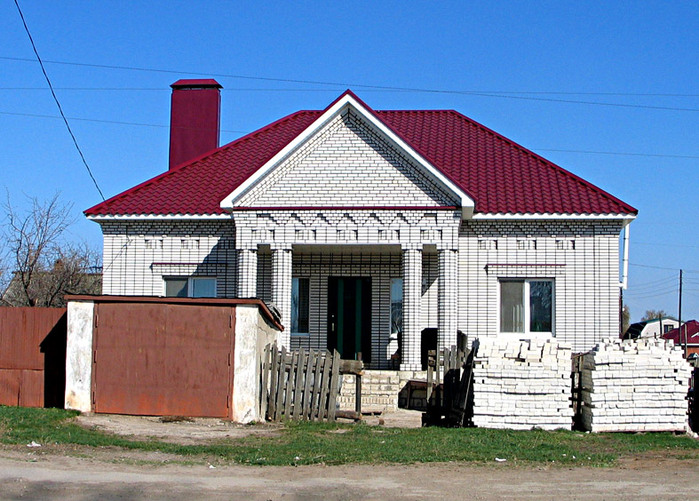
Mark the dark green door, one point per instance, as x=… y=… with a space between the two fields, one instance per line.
x=349 y=316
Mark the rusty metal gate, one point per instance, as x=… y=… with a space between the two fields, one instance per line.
x=32 y=356
x=160 y=359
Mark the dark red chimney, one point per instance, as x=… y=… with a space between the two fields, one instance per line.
x=194 y=119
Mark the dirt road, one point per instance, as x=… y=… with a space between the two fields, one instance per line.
x=25 y=475
x=106 y=474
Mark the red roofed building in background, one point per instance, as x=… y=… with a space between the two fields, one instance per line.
x=688 y=333
x=365 y=228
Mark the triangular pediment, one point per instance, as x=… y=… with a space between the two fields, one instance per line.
x=347 y=158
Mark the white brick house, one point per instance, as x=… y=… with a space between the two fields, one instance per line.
x=365 y=228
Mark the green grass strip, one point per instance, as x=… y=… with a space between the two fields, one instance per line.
x=312 y=443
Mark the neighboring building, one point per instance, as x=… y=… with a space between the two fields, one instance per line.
x=366 y=227
x=689 y=333
x=655 y=327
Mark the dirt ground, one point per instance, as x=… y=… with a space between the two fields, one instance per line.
x=198 y=430
x=66 y=472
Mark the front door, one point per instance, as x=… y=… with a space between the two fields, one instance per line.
x=349 y=316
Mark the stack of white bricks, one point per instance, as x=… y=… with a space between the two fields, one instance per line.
x=635 y=385
x=522 y=384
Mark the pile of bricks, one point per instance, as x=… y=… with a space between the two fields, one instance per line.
x=522 y=384
x=634 y=385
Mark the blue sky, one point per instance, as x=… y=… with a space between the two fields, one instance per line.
x=572 y=81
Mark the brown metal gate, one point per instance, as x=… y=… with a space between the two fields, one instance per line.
x=32 y=356
x=161 y=359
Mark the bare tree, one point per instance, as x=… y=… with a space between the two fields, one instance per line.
x=653 y=314
x=625 y=318
x=40 y=265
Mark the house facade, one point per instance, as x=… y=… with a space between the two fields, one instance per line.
x=379 y=233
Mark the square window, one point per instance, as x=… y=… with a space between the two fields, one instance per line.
x=202 y=287
x=176 y=287
x=526 y=306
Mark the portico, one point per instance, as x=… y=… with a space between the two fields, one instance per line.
x=327 y=248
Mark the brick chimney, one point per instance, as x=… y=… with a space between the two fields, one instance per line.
x=194 y=119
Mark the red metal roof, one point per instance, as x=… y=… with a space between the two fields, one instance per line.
x=500 y=175
x=690 y=329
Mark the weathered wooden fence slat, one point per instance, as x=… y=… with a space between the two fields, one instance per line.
x=449 y=386
x=304 y=384
x=335 y=376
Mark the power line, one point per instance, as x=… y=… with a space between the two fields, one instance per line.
x=363 y=86
x=235 y=131
x=665 y=282
x=55 y=98
x=648 y=296
x=661 y=268
x=618 y=153
x=340 y=89
x=667 y=245
x=115 y=122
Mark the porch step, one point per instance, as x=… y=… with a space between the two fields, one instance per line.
x=380 y=389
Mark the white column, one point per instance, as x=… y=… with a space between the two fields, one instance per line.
x=281 y=287
x=412 y=298
x=447 y=299
x=247 y=272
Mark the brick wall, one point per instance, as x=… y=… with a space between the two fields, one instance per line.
x=137 y=255
x=581 y=257
x=347 y=164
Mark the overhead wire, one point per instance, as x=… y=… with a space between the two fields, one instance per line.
x=273 y=89
x=55 y=98
x=115 y=122
x=236 y=131
x=494 y=94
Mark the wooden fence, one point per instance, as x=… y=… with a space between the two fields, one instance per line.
x=450 y=401
x=303 y=385
x=576 y=390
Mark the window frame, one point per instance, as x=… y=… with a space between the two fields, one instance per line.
x=296 y=280
x=526 y=297
x=190 y=285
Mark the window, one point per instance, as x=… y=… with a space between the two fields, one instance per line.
x=396 y=305
x=526 y=306
x=190 y=286
x=300 y=305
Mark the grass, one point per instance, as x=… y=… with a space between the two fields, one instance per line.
x=312 y=443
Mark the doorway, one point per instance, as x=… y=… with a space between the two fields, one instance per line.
x=349 y=317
